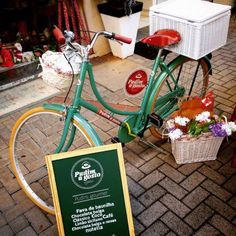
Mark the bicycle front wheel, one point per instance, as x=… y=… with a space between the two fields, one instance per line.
x=190 y=75
x=35 y=135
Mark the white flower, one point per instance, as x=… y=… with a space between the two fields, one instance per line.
x=227 y=129
x=203 y=117
x=232 y=126
x=175 y=134
x=181 y=120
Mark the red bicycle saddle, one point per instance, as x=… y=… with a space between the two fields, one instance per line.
x=162 y=38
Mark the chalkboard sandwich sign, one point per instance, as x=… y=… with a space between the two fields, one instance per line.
x=90 y=192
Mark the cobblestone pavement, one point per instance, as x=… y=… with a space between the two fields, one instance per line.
x=166 y=198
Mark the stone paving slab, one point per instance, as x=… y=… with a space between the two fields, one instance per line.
x=166 y=198
x=113 y=72
x=24 y=95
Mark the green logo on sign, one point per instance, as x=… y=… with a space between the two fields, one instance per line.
x=87 y=173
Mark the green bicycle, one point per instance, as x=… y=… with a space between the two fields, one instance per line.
x=54 y=128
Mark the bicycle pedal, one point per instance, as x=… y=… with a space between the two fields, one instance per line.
x=116 y=140
x=156 y=120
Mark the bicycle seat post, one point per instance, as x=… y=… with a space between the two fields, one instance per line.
x=160 y=50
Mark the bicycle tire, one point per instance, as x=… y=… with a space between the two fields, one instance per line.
x=188 y=67
x=27 y=154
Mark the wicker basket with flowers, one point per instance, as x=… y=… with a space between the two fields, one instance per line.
x=197 y=137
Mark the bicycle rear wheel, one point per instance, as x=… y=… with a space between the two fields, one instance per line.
x=184 y=70
x=35 y=135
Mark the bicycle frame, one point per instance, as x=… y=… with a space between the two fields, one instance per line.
x=135 y=122
x=39 y=127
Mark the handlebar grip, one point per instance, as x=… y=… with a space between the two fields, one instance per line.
x=123 y=39
x=59 y=35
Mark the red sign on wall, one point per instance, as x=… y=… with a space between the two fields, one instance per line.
x=136 y=82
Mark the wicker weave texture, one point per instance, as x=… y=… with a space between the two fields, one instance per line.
x=54 y=79
x=196 y=149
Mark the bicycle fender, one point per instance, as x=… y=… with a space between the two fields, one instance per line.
x=57 y=107
x=89 y=129
x=156 y=85
x=84 y=125
x=182 y=58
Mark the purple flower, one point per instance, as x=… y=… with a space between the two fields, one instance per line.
x=217 y=130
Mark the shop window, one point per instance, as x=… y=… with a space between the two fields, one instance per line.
x=25 y=26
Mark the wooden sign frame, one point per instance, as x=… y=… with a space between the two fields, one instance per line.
x=117 y=210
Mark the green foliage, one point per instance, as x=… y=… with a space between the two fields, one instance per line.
x=195 y=128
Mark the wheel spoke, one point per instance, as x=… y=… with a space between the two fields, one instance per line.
x=34 y=136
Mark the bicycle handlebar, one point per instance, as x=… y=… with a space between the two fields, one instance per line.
x=61 y=39
x=121 y=38
x=59 y=35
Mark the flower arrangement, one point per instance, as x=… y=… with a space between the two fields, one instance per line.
x=201 y=123
x=195 y=132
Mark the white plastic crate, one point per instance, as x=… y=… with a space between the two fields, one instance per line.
x=203 y=25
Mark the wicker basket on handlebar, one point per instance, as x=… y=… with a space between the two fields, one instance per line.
x=56 y=71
